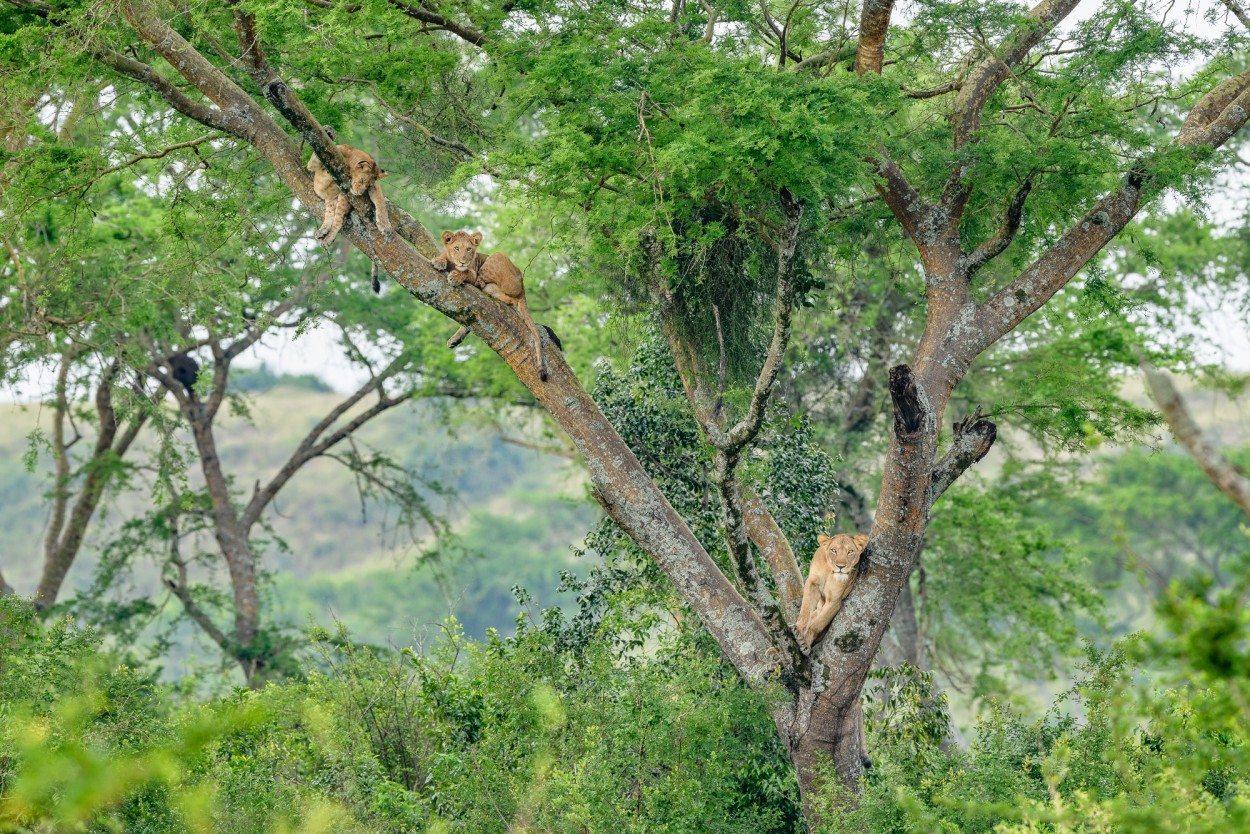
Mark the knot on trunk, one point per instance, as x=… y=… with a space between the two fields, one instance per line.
x=908 y=410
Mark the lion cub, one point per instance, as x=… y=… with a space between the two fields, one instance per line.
x=365 y=174
x=493 y=274
x=828 y=584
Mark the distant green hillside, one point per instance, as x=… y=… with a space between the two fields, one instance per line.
x=516 y=513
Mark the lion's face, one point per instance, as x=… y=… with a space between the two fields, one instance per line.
x=843 y=553
x=460 y=249
x=365 y=172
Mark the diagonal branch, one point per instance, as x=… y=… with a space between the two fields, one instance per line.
x=986 y=77
x=738 y=541
x=222 y=120
x=1205 y=452
x=981 y=83
x=1216 y=117
x=908 y=207
x=874 y=21
x=994 y=247
x=35 y=7
x=773 y=545
x=1237 y=9
x=618 y=479
x=419 y=11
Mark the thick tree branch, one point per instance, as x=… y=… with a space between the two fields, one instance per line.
x=738 y=541
x=419 y=11
x=1209 y=126
x=224 y=121
x=980 y=84
x=53 y=569
x=773 y=545
x=874 y=21
x=1205 y=452
x=1237 y=9
x=834 y=56
x=985 y=78
x=910 y=209
x=618 y=480
x=35 y=7
x=710 y=29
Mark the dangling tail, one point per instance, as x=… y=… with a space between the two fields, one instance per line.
x=555 y=340
x=373 y=273
x=523 y=309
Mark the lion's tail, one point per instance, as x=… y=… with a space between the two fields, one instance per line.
x=524 y=310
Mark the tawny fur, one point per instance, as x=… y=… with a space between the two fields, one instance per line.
x=493 y=274
x=365 y=174
x=828 y=584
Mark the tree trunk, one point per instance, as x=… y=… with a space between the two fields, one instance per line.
x=65 y=536
x=836 y=736
x=232 y=538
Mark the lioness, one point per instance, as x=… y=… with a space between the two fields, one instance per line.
x=828 y=584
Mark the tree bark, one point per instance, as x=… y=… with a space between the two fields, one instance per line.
x=232 y=538
x=1205 y=452
x=65 y=535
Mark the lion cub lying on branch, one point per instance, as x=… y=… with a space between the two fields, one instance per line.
x=493 y=274
x=828 y=584
x=365 y=174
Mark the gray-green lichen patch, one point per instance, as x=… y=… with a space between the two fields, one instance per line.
x=849 y=643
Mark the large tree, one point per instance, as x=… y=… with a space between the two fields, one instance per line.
x=710 y=160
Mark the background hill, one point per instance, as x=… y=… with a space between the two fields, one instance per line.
x=515 y=513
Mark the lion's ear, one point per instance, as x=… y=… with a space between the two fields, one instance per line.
x=383 y=173
x=447 y=236
x=822 y=539
x=861 y=541
x=477 y=238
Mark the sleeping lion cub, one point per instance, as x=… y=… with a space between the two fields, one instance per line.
x=828 y=584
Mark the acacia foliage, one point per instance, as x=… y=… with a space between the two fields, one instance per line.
x=471 y=737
